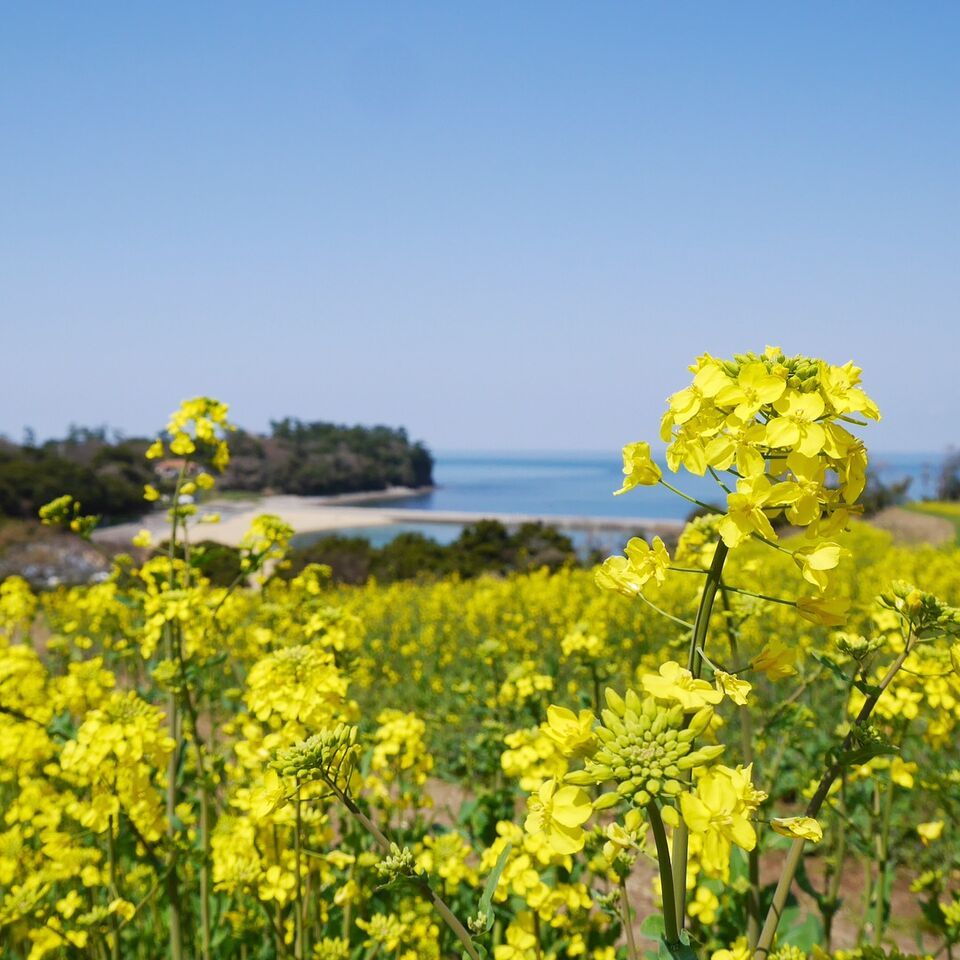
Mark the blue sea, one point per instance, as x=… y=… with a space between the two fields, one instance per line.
x=582 y=485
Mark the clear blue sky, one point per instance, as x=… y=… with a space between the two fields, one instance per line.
x=502 y=225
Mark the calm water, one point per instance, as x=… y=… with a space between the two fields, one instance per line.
x=582 y=485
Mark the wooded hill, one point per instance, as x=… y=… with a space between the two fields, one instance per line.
x=107 y=474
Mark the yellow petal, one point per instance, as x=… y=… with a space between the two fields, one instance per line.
x=800 y=828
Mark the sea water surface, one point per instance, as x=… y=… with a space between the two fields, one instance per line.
x=582 y=485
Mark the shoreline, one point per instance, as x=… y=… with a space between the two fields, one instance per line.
x=372 y=496
x=346 y=511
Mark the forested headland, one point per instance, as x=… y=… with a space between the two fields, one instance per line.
x=107 y=472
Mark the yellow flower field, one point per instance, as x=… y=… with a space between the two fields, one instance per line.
x=683 y=753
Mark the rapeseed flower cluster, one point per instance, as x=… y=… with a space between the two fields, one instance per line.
x=772 y=431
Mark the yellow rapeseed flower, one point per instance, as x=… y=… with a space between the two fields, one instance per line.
x=930 y=831
x=674 y=682
x=571 y=732
x=639 y=467
x=800 y=828
x=559 y=814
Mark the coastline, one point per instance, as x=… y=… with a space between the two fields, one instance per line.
x=345 y=511
x=373 y=496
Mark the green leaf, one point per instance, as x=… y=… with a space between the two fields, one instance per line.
x=804 y=883
x=868 y=689
x=652 y=927
x=803 y=933
x=832 y=666
x=853 y=758
x=486 y=898
x=677 y=951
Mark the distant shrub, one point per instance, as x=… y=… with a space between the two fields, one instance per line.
x=483 y=547
x=350 y=558
x=948 y=485
x=878 y=495
x=217 y=562
x=29 y=480
x=410 y=556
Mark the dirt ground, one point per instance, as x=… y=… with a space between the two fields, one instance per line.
x=905 y=924
x=908 y=526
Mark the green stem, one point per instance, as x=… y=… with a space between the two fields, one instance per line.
x=597 y=702
x=835 y=870
x=746 y=749
x=298 y=860
x=867 y=899
x=702 y=623
x=720 y=483
x=686 y=496
x=173 y=728
x=813 y=808
x=671 y=929
x=663 y=613
x=628 y=921
x=348 y=908
x=698 y=640
x=205 y=935
x=114 y=891
x=762 y=596
x=883 y=860
x=459 y=930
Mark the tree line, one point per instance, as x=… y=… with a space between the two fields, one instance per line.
x=107 y=473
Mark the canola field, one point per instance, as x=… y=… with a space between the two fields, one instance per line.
x=742 y=747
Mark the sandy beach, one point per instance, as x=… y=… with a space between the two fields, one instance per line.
x=304 y=514
x=318 y=514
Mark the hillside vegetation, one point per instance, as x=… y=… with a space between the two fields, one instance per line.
x=108 y=475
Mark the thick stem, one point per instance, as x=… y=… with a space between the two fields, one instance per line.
x=813 y=808
x=702 y=623
x=671 y=929
x=746 y=750
x=698 y=640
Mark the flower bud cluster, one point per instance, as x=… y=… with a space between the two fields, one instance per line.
x=927 y=615
x=65 y=512
x=399 y=862
x=478 y=923
x=329 y=755
x=645 y=748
